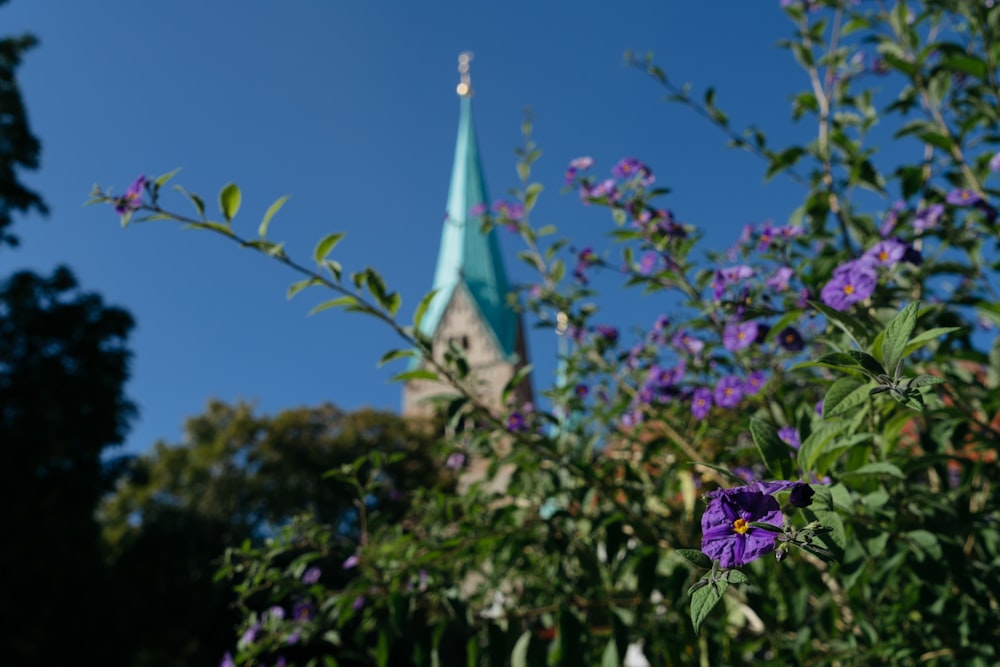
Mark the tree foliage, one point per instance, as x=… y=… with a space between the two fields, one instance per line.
x=19 y=149
x=239 y=477
x=63 y=365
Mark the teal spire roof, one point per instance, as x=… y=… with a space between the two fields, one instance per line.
x=468 y=257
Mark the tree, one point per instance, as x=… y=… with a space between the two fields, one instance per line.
x=19 y=148
x=239 y=476
x=63 y=365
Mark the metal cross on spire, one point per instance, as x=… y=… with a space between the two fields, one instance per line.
x=465 y=85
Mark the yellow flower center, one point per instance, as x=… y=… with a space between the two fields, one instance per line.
x=741 y=526
x=884 y=256
x=740 y=335
x=848 y=289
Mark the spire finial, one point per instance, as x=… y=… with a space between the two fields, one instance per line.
x=465 y=85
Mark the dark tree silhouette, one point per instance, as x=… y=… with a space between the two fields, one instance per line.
x=18 y=146
x=63 y=364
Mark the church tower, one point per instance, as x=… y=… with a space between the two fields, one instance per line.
x=470 y=308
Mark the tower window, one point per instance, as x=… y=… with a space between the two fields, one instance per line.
x=459 y=341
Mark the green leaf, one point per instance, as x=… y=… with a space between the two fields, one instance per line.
x=395 y=354
x=695 y=557
x=419 y=374
x=926 y=337
x=274 y=208
x=868 y=362
x=773 y=450
x=326 y=245
x=817 y=440
x=514 y=381
x=531 y=195
x=725 y=472
x=844 y=394
x=704 y=599
x=832 y=450
x=822 y=510
x=877 y=468
x=333 y=303
x=162 y=180
x=196 y=201
x=926 y=542
x=297 y=287
x=610 y=656
x=857 y=331
x=229 y=201
x=215 y=226
x=418 y=315
x=967 y=64
x=897 y=335
x=519 y=656
x=737 y=577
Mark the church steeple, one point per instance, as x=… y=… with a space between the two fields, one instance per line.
x=470 y=306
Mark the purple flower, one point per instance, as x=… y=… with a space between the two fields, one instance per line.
x=728 y=391
x=790 y=436
x=629 y=168
x=607 y=334
x=303 y=611
x=767 y=235
x=779 y=280
x=754 y=382
x=687 y=343
x=739 y=335
x=584 y=260
x=311 y=576
x=352 y=561
x=581 y=390
x=727 y=535
x=891 y=218
x=227 y=661
x=790 y=339
x=701 y=402
x=478 y=209
x=851 y=282
x=886 y=252
x=995 y=162
x=648 y=262
x=293 y=638
x=963 y=197
x=358 y=603
x=606 y=188
x=275 y=612
x=132 y=199
x=454 y=462
x=516 y=423
x=927 y=218
x=249 y=635
x=576 y=166
x=512 y=211
x=729 y=276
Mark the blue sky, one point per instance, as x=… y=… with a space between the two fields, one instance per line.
x=350 y=108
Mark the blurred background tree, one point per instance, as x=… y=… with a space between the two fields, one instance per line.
x=239 y=476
